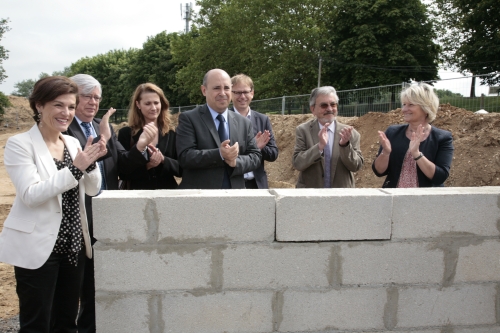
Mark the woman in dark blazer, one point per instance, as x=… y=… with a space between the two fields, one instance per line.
x=150 y=106
x=45 y=236
x=416 y=154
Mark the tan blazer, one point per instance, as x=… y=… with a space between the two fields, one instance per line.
x=310 y=162
x=30 y=231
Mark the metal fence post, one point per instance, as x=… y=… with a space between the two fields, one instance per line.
x=283 y=102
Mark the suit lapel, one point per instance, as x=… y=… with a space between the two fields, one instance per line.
x=42 y=151
x=96 y=127
x=76 y=131
x=233 y=127
x=206 y=117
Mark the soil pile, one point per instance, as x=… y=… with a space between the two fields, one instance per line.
x=476 y=160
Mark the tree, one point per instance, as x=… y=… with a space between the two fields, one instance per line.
x=153 y=63
x=276 y=43
x=25 y=87
x=111 y=70
x=472 y=43
x=3 y=52
x=4 y=103
x=380 y=42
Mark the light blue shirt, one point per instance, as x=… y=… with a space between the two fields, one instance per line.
x=92 y=130
x=216 y=121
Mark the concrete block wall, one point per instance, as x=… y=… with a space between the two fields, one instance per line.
x=292 y=260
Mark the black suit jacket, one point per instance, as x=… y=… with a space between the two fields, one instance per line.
x=160 y=177
x=198 y=146
x=437 y=148
x=116 y=158
x=260 y=123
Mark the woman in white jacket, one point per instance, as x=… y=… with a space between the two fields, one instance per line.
x=45 y=235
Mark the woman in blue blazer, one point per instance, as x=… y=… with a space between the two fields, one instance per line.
x=416 y=154
x=45 y=236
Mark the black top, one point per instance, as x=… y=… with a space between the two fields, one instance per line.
x=437 y=148
x=70 y=237
x=160 y=177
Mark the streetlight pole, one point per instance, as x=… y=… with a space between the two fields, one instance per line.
x=319 y=71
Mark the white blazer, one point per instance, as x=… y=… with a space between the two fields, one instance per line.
x=30 y=231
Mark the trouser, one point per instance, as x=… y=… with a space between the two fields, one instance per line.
x=48 y=296
x=86 y=316
x=251 y=184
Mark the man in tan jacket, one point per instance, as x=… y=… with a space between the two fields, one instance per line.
x=326 y=153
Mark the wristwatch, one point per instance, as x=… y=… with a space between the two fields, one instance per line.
x=419 y=156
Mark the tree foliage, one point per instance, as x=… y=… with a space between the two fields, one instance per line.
x=4 y=103
x=471 y=36
x=153 y=63
x=379 y=42
x=111 y=70
x=25 y=87
x=276 y=43
x=3 y=52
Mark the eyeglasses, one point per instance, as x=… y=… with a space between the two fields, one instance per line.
x=325 y=105
x=87 y=98
x=239 y=93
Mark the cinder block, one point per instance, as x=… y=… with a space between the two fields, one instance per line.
x=122 y=216
x=176 y=267
x=346 y=309
x=221 y=312
x=332 y=214
x=491 y=329
x=384 y=262
x=122 y=313
x=276 y=266
x=437 y=212
x=479 y=262
x=458 y=305
x=216 y=215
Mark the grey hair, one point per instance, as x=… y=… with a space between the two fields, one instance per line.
x=86 y=83
x=325 y=90
x=424 y=96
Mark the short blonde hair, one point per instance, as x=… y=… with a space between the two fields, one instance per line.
x=136 y=119
x=243 y=79
x=423 y=95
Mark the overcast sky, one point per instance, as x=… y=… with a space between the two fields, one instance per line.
x=48 y=35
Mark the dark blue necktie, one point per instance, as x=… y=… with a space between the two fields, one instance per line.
x=226 y=182
x=88 y=133
x=222 y=128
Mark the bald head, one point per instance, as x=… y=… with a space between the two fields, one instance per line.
x=216 y=88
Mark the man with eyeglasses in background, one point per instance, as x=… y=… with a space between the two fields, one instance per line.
x=327 y=153
x=85 y=124
x=243 y=90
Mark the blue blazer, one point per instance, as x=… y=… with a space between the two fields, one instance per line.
x=437 y=148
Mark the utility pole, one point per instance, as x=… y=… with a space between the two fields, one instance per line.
x=319 y=71
x=186 y=14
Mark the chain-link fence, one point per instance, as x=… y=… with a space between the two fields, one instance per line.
x=357 y=102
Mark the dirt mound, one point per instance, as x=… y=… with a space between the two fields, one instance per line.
x=476 y=138
x=476 y=160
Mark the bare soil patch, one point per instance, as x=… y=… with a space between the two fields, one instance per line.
x=476 y=161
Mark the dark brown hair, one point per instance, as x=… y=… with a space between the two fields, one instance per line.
x=136 y=119
x=48 y=89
